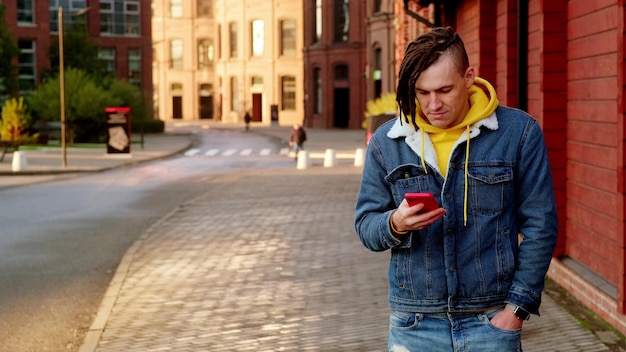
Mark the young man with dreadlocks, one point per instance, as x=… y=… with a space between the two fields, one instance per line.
x=465 y=276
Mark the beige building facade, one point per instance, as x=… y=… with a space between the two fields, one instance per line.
x=259 y=61
x=183 y=43
x=218 y=59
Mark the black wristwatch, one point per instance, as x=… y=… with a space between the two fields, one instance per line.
x=520 y=313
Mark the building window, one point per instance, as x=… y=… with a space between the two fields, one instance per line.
x=205 y=54
x=257 y=82
x=288 y=37
x=342 y=21
x=176 y=54
x=317 y=91
x=342 y=73
x=288 y=90
x=107 y=55
x=134 y=66
x=25 y=12
x=27 y=65
x=176 y=8
x=204 y=8
x=233 y=39
x=317 y=22
x=120 y=17
x=73 y=12
x=234 y=94
x=377 y=5
x=377 y=73
x=258 y=37
x=107 y=23
x=131 y=17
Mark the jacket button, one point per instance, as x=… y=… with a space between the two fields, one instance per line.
x=452 y=269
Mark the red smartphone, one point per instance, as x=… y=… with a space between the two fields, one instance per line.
x=430 y=203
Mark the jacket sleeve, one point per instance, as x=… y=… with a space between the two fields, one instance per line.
x=537 y=219
x=375 y=204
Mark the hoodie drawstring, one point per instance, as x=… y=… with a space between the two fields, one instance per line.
x=422 y=157
x=467 y=148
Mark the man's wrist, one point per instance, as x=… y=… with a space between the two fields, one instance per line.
x=519 y=312
x=393 y=229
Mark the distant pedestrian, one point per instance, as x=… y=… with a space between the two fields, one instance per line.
x=247 y=118
x=297 y=139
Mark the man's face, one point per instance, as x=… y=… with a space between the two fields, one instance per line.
x=442 y=93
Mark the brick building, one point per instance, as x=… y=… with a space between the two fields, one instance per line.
x=334 y=63
x=120 y=28
x=563 y=62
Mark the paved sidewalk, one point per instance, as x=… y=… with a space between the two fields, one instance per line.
x=268 y=261
x=262 y=261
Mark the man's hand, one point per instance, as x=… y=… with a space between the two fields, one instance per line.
x=506 y=320
x=407 y=218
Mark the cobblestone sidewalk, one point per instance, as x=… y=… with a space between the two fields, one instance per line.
x=269 y=261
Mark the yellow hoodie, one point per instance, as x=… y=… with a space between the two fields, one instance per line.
x=483 y=102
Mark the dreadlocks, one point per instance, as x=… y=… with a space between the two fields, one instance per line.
x=420 y=54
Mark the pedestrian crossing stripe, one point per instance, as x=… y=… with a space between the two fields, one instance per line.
x=192 y=152
x=215 y=152
x=229 y=152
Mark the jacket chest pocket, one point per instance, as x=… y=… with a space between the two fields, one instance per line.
x=490 y=188
x=410 y=178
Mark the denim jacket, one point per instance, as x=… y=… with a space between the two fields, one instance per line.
x=451 y=265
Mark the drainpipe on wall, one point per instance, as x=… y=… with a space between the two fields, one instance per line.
x=522 y=52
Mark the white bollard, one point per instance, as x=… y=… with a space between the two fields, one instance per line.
x=303 y=160
x=330 y=159
x=359 y=157
x=19 y=161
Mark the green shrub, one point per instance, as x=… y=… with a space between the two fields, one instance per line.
x=149 y=126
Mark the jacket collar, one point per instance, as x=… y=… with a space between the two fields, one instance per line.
x=413 y=137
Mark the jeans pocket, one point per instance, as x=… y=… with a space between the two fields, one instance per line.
x=490 y=314
x=403 y=320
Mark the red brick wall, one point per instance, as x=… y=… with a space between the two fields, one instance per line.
x=506 y=52
x=547 y=94
x=576 y=81
x=594 y=132
x=467 y=24
x=39 y=32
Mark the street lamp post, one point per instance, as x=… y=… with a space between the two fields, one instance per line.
x=62 y=89
x=62 y=82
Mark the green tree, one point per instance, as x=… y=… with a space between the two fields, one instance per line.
x=15 y=120
x=8 y=51
x=128 y=95
x=80 y=51
x=84 y=105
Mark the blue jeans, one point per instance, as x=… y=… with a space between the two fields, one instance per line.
x=442 y=332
